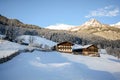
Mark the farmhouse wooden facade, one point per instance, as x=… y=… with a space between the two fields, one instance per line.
x=64 y=47
x=90 y=50
x=69 y=47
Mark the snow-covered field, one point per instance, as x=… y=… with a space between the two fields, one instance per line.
x=8 y=48
x=60 y=66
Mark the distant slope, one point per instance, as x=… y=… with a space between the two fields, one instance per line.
x=35 y=40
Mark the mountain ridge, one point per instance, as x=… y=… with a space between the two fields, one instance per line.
x=15 y=22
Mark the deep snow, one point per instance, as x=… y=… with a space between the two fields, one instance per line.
x=60 y=66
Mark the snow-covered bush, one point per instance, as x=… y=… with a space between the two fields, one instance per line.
x=35 y=45
x=46 y=47
x=2 y=36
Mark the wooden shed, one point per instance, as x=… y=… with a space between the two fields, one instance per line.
x=90 y=50
x=65 y=47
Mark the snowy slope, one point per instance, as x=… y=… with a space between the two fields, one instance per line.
x=7 y=48
x=60 y=66
x=60 y=27
x=36 y=40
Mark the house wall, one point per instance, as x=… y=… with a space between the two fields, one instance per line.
x=65 y=47
x=77 y=51
x=90 y=50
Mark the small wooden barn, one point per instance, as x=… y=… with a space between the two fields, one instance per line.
x=90 y=50
x=65 y=47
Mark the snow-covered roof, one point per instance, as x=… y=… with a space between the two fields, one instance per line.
x=86 y=46
x=65 y=42
x=76 y=46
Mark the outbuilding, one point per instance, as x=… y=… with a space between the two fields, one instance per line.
x=89 y=50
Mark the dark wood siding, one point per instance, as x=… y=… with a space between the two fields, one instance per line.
x=64 y=47
x=90 y=50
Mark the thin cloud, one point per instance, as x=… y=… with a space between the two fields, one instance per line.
x=102 y=12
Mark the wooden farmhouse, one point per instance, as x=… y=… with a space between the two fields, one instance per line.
x=89 y=50
x=69 y=47
x=65 y=47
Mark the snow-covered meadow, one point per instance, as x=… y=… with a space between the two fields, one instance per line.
x=40 y=65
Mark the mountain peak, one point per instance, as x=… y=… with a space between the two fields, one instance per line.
x=92 y=22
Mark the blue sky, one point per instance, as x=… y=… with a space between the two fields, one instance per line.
x=50 y=12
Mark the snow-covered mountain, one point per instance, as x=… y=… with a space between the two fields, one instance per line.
x=60 y=27
x=116 y=25
x=90 y=23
